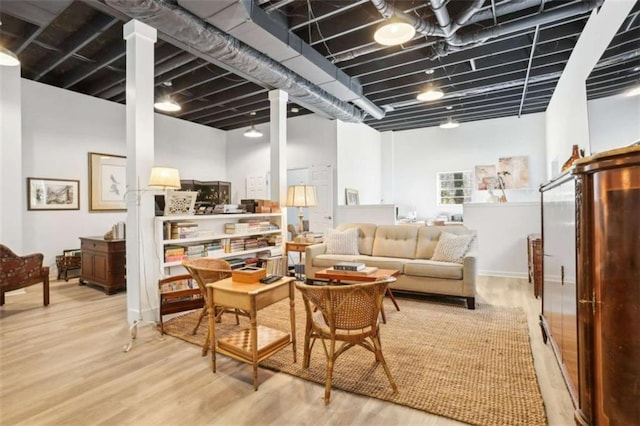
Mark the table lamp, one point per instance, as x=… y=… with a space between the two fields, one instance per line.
x=301 y=196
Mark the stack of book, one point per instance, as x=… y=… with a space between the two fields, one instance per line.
x=183 y=230
x=349 y=266
x=236 y=262
x=214 y=248
x=236 y=228
x=194 y=252
x=275 y=240
x=235 y=244
x=258 y=225
x=276 y=251
x=174 y=254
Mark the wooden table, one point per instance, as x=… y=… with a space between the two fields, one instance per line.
x=338 y=276
x=256 y=343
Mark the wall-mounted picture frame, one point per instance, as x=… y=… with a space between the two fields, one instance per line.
x=107 y=182
x=53 y=194
x=180 y=203
x=351 y=197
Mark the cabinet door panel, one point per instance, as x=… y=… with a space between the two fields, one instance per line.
x=100 y=268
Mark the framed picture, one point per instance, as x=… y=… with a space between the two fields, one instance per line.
x=107 y=182
x=53 y=194
x=351 y=196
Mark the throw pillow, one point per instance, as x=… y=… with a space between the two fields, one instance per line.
x=452 y=248
x=345 y=242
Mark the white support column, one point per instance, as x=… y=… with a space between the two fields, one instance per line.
x=388 y=196
x=13 y=197
x=278 y=140
x=142 y=264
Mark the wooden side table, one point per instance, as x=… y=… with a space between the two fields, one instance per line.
x=534 y=252
x=293 y=246
x=258 y=342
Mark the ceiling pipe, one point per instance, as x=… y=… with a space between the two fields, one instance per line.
x=211 y=44
x=526 y=78
x=422 y=27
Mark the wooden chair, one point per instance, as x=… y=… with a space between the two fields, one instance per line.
x=69 y=260
x=22 y=271
x=347 y=314
x=204 y=271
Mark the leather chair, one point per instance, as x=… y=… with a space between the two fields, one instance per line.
x=22 y=271
x=347 y=315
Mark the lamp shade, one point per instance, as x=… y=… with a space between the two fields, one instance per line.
x=164 y=178
x=394 y=31
x=167 y=105
x=431 y=94
x=8 y=58
x=252 y=132
x=449 y=124
x=301 y=196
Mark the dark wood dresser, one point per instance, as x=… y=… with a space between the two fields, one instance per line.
x=534 y=252
x=103 y=263
x=591 y=284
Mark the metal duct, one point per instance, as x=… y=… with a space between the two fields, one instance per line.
x=503 y=9
x=422 y=27
x=215 y=45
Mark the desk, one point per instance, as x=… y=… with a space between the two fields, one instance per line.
x=338 y=276
x=258 y=342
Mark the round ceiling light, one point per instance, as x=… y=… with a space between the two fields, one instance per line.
x=8 y=58
x=167 y=106
x=394 y=31
x=431 y=94
x=633 y=92
x=449 y=124
x=252 y=132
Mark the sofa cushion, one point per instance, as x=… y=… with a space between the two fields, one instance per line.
x=395 y=241
x=433 y=269
x=428 y=238
x=451 y=247
x=383 y=262
x=342 y=242
x=366 y=233
x=328 y=260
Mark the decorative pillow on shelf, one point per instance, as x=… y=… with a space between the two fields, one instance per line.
x=452 y=248
x=345 y=242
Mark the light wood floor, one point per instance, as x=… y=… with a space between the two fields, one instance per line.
x=64 y=364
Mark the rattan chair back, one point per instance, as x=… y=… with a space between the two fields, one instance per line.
x=206 y=270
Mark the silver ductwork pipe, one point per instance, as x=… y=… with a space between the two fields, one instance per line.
x=220 y=47
x=503 y=9
x=512 y=27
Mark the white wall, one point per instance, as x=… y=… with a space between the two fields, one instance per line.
x=60 y=127
x=614 y=122
x=421 y=153
x=359 y=162
x=567 y=118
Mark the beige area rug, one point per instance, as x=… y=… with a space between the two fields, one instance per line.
x=471 y=366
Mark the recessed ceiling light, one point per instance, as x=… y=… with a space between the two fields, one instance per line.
x=167 y=105
x=167 y=83
x=294 y=110
x=430 y=94
x=429 y=71
x=252 y=113
x=449 y=107
x=394 y=31
x=449 y=124
x=252 y=132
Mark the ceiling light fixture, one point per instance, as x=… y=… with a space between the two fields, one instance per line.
x=394 y=31
x=633 y=92
x=449 y=107
x=429 y=71
x=449 y=124
x=295 y=110
x=252 y=132
x=430 y=94
x=167 y=105
x=8 y=58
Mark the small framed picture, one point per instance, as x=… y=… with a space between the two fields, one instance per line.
x=351 y=196
x=178 y=203
x=107 y=182
x=53 y=194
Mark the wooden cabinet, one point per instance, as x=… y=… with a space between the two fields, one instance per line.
x=598 y=318
x=103 y=263
x=534 y=252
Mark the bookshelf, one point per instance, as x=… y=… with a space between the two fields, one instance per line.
x=222 y=236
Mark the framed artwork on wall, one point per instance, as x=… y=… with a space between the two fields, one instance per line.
x=351 y=197
x=53 y=194
x=107 y=182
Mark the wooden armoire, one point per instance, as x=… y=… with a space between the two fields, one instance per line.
x=591 y=284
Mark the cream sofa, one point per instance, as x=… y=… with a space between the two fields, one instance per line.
x=407 y=249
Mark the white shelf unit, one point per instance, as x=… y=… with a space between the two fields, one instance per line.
x=211 y=228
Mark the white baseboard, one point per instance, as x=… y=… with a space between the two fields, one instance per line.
x=503 y=274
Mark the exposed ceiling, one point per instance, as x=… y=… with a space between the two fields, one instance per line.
x=323 y=54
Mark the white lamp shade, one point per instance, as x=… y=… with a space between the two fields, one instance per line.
x=449 y=124
x=164 y=178
x=431 y=94
x=8 y=58
x=393 y=32
x=252 y=132
x=167 y=105
x=301 y=196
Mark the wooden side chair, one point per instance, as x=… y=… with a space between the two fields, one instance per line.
x=22 y=271
x=347 y=314
x=204 y=271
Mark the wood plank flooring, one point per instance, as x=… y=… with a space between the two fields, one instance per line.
x=64 y=364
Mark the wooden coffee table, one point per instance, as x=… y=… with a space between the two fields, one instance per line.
x=338 y=276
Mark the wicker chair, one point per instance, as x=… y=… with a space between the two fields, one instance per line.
x=22 y=271
x=206 y=271
x=347 y=314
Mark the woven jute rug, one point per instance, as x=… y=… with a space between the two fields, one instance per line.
x=473 y=366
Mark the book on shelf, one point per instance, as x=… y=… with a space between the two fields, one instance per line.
x=349 y=266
